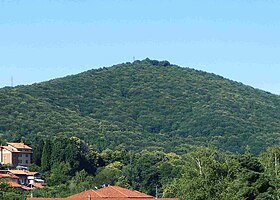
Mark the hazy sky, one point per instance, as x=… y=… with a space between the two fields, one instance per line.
x=238 y=39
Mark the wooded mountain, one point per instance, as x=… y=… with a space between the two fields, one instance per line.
x=145 y=104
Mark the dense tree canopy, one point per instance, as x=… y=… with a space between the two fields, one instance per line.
x=144 y=104
x=150 y=126
x=204 y=173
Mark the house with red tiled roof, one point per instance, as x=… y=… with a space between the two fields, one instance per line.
x=9 y=178
x=26 y=177
x=14 y=185
x=5 y=175
x=15 y=154
x=108 y=193
x=22 y=179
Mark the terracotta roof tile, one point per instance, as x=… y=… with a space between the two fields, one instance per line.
x=9 y=175
x=14 y=185
x=29 y=198
x=112 y=198
x=5 y=176
x=91 y=193
x=9 y=149
x=115 y=191
x=108 y=193
x=19 y=145
x=26 y=188
x=18 y=172
x=37 y=185
x=31 y=173
x=22 y=172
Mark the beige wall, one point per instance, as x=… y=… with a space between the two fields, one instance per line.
x=7 y=157
x=21 y=157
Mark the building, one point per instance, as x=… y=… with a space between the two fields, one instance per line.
x=26 y=177
x=15 y=154
x=108 y=193
x=22 y=179
x=9 y=178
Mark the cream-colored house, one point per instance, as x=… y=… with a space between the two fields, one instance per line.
x=15 y=154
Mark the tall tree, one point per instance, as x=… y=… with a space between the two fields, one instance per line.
x=207 y=175
x=37 y=147
x=46 y=155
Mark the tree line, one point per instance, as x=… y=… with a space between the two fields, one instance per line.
x=70 y=166
x=144 y=104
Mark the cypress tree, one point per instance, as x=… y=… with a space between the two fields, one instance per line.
x=37 y=151
x=46 y=156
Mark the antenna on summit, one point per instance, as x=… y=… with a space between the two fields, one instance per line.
x=133 y=58
x=12 y=81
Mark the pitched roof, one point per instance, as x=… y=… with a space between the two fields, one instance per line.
x=8 y=175
x=18 y=172
x=108 y=193
x=22 y=172
x=26 y=188
x=20 y=145
x=5 y=176
x=84 y=195
x=116 y=191
x=29 y=198
x=9 y=149
x=31 y=173
x=14 y=185
x=37 y=185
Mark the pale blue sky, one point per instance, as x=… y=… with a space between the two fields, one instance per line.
x=238 y=39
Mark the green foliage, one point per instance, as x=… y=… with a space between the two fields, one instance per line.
x=37 y=146
x=4 y=187
x=139 y=125
x=203 y=173
x=81 y=182
x=270 y=161
x=210 y=174
x=59 y=174
x=46 y=156
x=251 y=182
x=108 y=175
x=8 y=193
x=207 y=175
x=144 y=104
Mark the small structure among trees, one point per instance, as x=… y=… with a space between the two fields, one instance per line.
x=16 y=154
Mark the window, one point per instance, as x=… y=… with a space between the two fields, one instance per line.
x=26 y=161
x=26 y=155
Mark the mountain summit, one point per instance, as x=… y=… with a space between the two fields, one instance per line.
x=144 y=104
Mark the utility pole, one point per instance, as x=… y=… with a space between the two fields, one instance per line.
x=156 y=192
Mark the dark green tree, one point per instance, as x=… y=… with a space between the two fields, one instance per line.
x=59 y=174
x=46 y=156
x=37 y=147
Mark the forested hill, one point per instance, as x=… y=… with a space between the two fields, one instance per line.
x=144 y=104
